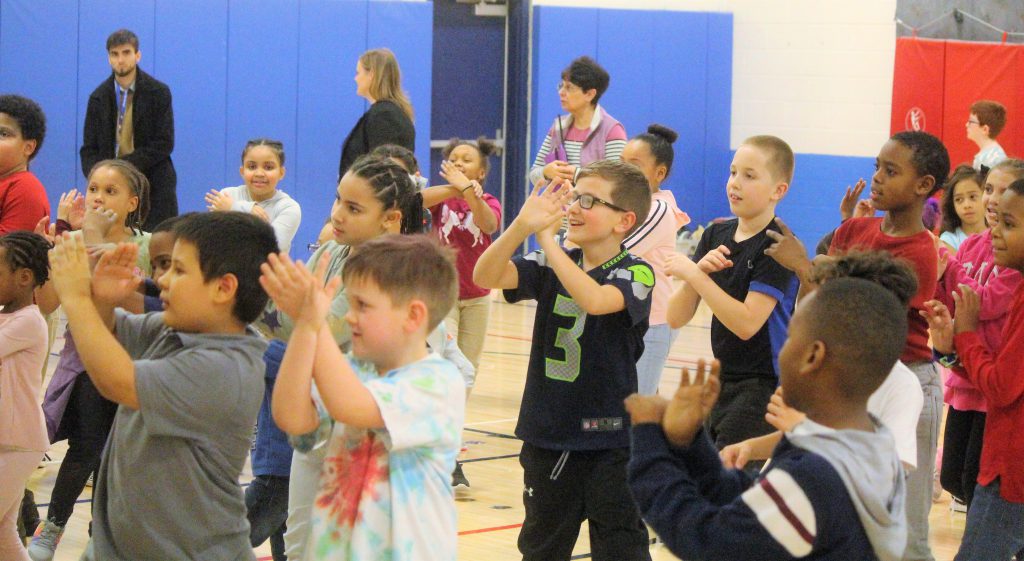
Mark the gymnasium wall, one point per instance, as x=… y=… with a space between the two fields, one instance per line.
x=817 y=74
x=237 y=69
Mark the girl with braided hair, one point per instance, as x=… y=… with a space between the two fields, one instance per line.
x=23 y=340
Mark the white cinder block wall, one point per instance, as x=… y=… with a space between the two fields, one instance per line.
x=817 y=73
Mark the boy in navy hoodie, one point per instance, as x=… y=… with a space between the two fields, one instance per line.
x=835 y=487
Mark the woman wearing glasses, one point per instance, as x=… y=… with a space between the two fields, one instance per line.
x=587 y=134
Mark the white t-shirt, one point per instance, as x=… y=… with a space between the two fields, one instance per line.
x=897 y=403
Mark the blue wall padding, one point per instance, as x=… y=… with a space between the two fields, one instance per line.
x=718 y=115
x=660 y=67
x=325 y=82
x=199 y=157
x=39 y=59
x=237 y=69
x=811 y=207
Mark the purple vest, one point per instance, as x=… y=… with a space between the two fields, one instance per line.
x=593 y=147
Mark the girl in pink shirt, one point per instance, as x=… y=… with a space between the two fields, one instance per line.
x=974 y=265
x=23 y=341
x=653 y=241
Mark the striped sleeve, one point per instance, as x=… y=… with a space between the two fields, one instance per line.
x=615 y=142
x=537 y=170
x=784 y=511
x=658 y=212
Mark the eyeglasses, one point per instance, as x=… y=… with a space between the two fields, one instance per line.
x=587 y=202
x=972 y=122
x=568 y=86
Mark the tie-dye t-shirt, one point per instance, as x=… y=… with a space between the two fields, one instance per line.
x=386 y=494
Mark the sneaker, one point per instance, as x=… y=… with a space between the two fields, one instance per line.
x=459 y=478
x=44 y=542
x=89 y=482
x=956 y=505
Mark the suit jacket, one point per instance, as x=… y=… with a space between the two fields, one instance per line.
x=153 y=126
x=383 y=123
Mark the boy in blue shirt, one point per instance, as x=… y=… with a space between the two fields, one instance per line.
x=593 y=304
x=835 y=487
x=188 y=382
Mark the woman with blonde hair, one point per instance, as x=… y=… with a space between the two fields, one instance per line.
x=389 y=118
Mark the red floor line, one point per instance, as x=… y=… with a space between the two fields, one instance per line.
x=494 y=529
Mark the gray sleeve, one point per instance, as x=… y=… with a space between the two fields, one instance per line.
x=286 y=224
x=197 y=392
x=136 y=332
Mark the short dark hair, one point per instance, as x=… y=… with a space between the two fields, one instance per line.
x=991 y=113
x=406 y=268
x=234 y=243
x=27 y=250
x=630 y=189
x=659 y=140
x=400 y=153
x=781 y=162
x=879 y=267
x=862 y=341
x=586 y=73
x=168 y=224
x=275 y=146
x=29 y=116
x=930 y=156
x=482 y=146
x=950 y=220
x=123 y=37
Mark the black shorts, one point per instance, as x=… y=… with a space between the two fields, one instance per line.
x=739 y=413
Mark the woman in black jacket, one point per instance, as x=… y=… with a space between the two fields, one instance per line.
x=389 y=119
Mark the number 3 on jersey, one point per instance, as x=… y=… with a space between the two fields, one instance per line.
x=568 y=340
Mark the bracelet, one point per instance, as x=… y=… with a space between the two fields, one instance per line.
x=951 y=360
x=468 y=187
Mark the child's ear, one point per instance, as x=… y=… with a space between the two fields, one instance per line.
x=29 y=148
x=24 y=277
x=226 y=288
x=626 y=222
x=781 y=189
x=392 y=220
x=417 y=316
x=925 y=185
x=814 y=358
x=133 y=204
x=661 y=172
x=282 y=172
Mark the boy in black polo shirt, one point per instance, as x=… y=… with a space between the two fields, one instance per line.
x=592 y=308
x=750 y=295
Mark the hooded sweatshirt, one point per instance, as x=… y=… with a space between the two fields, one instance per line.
x=800 y=507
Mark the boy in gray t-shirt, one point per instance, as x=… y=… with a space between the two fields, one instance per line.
x=188 y=380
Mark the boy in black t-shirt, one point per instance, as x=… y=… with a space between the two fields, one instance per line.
x=750 y=295
x=592 y=308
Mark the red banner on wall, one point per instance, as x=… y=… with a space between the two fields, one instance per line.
x=935 y=83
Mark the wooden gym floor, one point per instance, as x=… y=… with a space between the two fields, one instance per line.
x=491 y=511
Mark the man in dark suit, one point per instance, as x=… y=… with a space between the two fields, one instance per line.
x=130 y=117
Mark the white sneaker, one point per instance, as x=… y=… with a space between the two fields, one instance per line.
x=44 y=542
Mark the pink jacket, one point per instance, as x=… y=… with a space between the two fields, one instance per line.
x=974 y=265
x=655 y=240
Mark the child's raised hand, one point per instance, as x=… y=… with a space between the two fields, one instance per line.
x=46 y=230
x=71 y=208
x=69 y=267
x=940 y=325
x=735 y=456
x=681 y=266
x=545 y=207
x=968 y=307
x=864 y=209
x=782 y=416
x=96 y=225
x=787 y=250
x=646 y=408
x=284 y=283
x=715 y=260
x=258 y=212
x=114 y=277
x=851 y=198
x=316 y=300
x=692 y=403
x=454 y=176
x=216 y=200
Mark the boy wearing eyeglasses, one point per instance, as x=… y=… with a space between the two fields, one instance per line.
x=750 y=294
x=593 y=302
x=986 y=121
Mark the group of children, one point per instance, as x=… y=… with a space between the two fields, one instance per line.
x=358 y=389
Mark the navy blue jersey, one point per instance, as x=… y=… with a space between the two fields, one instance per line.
x=581 y=366
x=752 y=270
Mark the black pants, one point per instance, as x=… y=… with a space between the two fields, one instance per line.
x=739 y=413
x=266 y=500
x=961 y=453
x=562 y=489
x=88 y=419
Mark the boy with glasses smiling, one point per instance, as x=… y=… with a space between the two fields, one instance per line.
x=593 y=304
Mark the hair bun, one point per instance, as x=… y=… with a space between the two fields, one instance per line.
x=668 y=134
x=486 y=147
